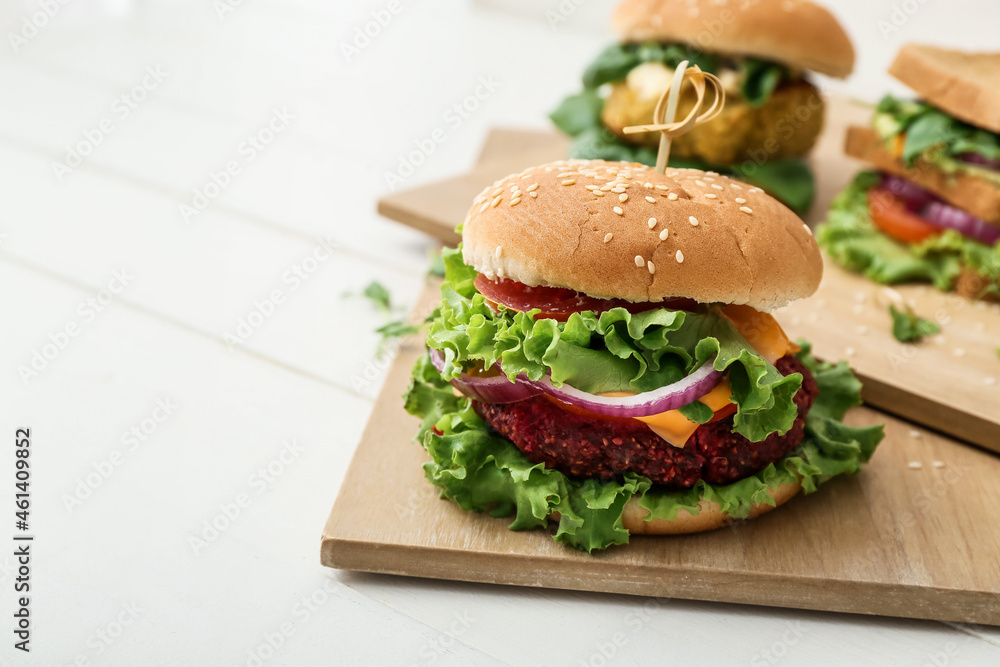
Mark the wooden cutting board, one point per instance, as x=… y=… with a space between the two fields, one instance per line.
x=893 y=540
x=950 y=383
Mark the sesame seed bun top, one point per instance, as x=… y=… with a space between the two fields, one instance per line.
x=621 y=230
x=793 y=32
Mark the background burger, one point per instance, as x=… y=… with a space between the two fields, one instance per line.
x=603 y=354
x=931 y=211
x=762 y=52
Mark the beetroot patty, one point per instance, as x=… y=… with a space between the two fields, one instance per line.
x=601 y=448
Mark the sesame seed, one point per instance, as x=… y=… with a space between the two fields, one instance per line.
x=701 y=183
x=515 y=201
x=618 y=190
x=709 y=195
x=959 y=352
x=651 y=267
x=639 y=261
x=916 y=465
x=651 y=223
x=592 y=187
x=515 y=187
x=716 y=186
x=567 y=173
x=914 y=433
x=672 y=196
x=569 y=181
x=661 y=187
x=623 y=198
x=680 y=257
x=485 y=206
x=500 y=273
x=618 y=210
x=862 y=330
x=608 y=237
x=746 y=209
x=990 y=381
x=710 y=180
x=939 y=464
x=532 y=187
x=741 y=200
x=499 y=251
x=850 y=351
x=693 y=220
x=496 y=201
x=651 y=200
x=663 y=234
x=735 y=186
x=647 y=185
x=497 y=192
x=596 y=192
x=806 y=227
x=533 y=194
x=607 y=186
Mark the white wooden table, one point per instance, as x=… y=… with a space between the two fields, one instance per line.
x=195 y=379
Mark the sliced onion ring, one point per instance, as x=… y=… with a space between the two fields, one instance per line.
x=914 y=196
x=499 y=389
x=942 y=215
x=494 y=389
x=979 y=160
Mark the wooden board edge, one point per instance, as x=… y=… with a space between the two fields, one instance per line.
x=969 y=427
x=389 y=208
x=782 y=591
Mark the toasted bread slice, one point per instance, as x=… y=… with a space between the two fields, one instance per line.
x=965 y=85
x=978 y=196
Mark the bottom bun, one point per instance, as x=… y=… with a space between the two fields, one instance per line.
x=710 y=516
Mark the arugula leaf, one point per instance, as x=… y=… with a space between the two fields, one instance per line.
x=760 y=78
x=578 y=113
x=791 y=181
x=483 y=472
x=908 y=328
x=697 y=412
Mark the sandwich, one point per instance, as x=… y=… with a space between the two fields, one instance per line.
x=929 y=211
x=603 y=359
x=762 y=51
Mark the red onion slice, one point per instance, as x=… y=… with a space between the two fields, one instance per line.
x=654 y=402
x=943 y=215
x=914 y=196
x=495 y=389
x=499 y=389
x=979 y=160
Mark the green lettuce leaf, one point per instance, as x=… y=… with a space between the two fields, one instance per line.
x=578 y=113
x=486 y=473
x=614 y=351
x=852 y=240
x=616 y=61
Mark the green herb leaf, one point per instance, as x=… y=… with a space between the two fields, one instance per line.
x=929 y=130
x=760 y=78
x=379 y=295
x=697 y=412
x=907 y=327
x=612 y=64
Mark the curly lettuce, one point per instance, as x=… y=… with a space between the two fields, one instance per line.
x=486 y=473
x=850 y=237
x=613 y=351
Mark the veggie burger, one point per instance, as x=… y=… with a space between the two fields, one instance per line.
x=762 y=51
x=603 y=357
x=930 y=212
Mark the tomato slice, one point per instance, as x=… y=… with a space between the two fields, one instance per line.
x=889 y=213
x=558 y=303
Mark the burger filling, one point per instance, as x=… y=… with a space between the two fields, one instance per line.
x=772 y=116
x=536 y=401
